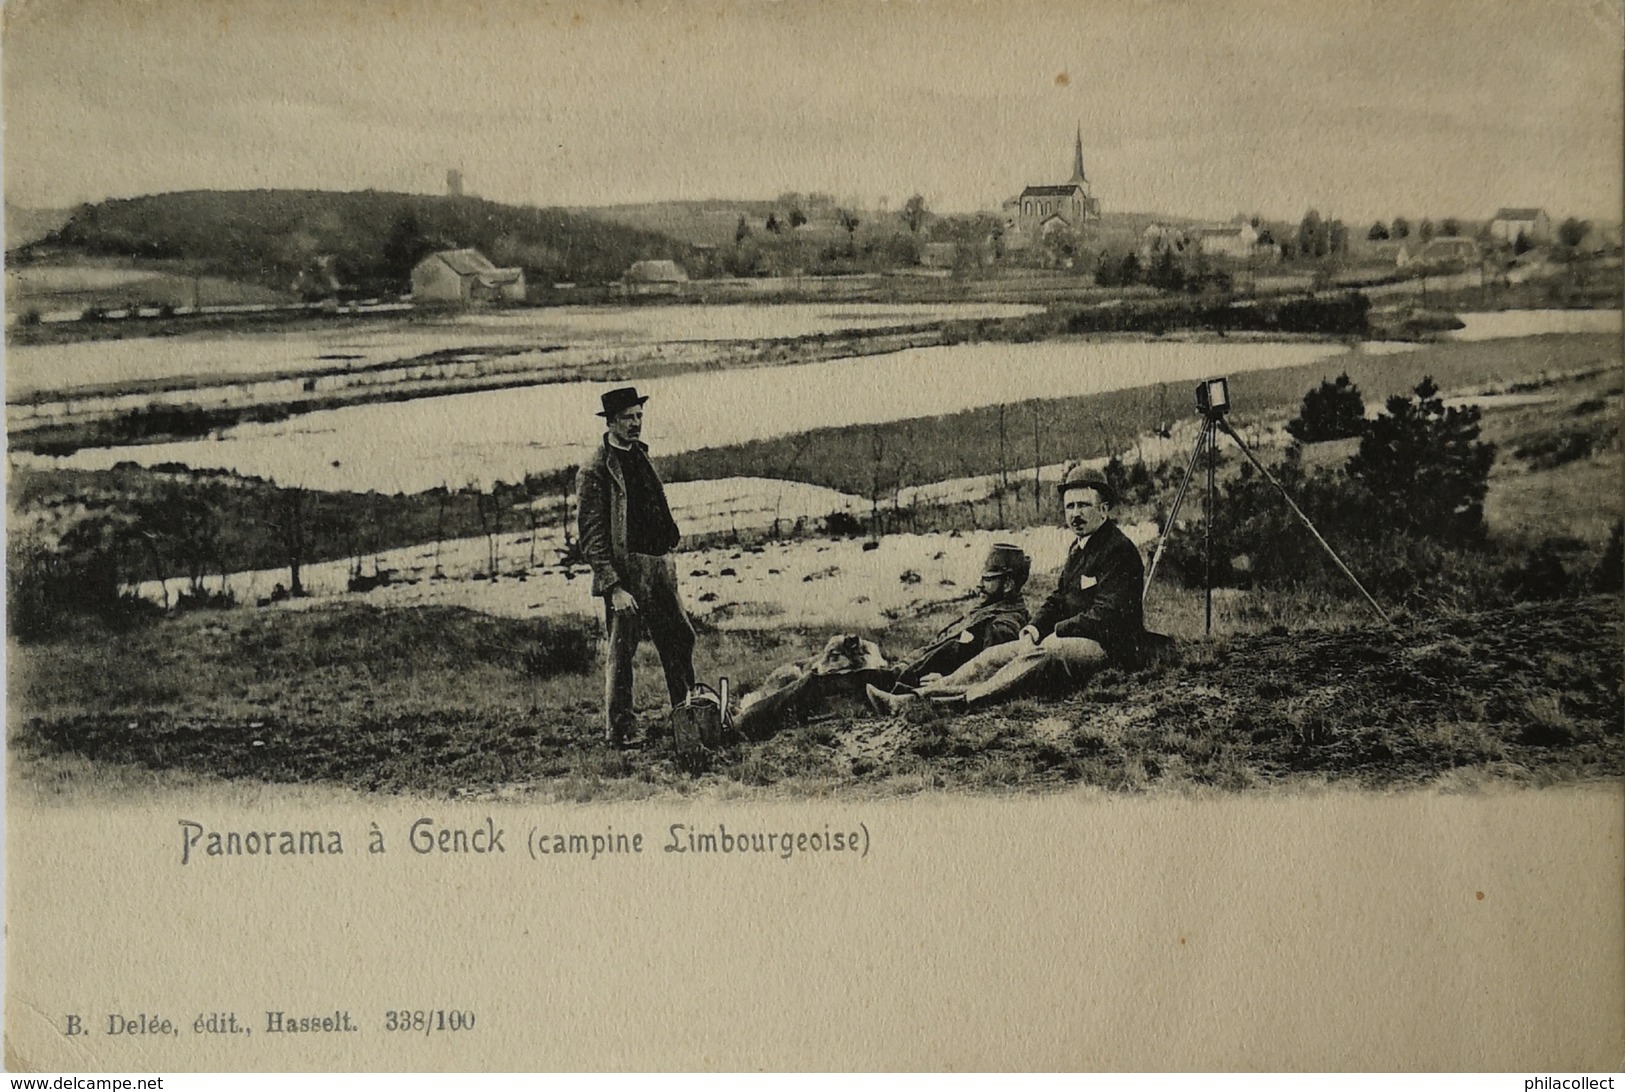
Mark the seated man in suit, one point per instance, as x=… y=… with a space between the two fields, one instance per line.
x=1092 y=618
x=849 y=665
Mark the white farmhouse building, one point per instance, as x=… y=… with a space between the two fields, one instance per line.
x=464 y=276
x=1533 y=224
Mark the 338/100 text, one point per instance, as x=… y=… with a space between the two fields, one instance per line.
x=429 y=1021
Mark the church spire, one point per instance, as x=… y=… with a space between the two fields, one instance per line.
x=1077 y=158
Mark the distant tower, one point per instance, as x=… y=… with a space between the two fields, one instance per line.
x=1077 y=158
x=454 y=178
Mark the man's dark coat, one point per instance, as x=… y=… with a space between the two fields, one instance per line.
x=601 y=517
x=1098 y=596
x=989 y=624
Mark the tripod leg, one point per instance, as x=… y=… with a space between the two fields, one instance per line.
x=1173 y=513
x=1207 y=529
x=1245 y=450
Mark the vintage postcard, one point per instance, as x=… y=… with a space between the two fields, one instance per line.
x=816 y=536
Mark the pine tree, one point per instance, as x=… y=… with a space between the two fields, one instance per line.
x=1426 y=465
x=1332 y=411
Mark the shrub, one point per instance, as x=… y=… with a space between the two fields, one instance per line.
x=1332 y=411
x=200 y=598
x=31 y=317
x=1540 y=575
x=566 y=645
x=1134 y=484
x=1252 y=522
x=1114 y=271
x=51 y=578
x=1554 y=449
x=1425 y=466
x=842 y=523
x=1258 y=542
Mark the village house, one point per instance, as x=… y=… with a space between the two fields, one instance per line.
x=657 y=276
x=464 y=276
x=1235 y=241
x=1387 y=252
x=1533 y=224
x=1160 y=237
x=1041 y=211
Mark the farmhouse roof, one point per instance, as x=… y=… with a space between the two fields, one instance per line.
x=656 y=270
x=1518 y=214
x=465 y=263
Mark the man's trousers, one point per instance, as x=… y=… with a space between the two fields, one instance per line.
x=652 y=581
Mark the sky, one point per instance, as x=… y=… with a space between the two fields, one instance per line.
x=1362 y=109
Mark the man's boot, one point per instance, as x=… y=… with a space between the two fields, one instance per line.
x=888 y=705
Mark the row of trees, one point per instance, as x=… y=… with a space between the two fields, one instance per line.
x=1400 y=228
x=778 y=248
x=1570 y=232
x=914 y=216
x=1318 y=238
x=1192 y=272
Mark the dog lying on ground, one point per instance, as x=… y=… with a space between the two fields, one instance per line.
x=833 y=679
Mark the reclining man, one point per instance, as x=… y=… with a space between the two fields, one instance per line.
x=850 y=663
x=1092 y=618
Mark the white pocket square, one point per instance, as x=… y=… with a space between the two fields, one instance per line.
x=1088 y=582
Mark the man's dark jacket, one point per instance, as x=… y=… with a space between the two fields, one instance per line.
x=601 y=516
x=1107 y=610
x=989 y=624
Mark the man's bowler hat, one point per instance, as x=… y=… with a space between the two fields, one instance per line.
x=1081 y=477
x=620 y=400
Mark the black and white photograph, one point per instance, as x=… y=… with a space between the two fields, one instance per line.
x=814 y=536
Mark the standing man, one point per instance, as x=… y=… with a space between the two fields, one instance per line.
x=627 y=535
x=1092 y=618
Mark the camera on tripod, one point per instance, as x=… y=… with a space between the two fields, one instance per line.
x=1213 y=398
x=1213 y=403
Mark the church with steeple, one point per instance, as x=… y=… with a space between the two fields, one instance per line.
x=1043 y=210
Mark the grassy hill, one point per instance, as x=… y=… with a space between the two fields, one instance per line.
x=369 y=240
